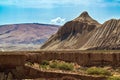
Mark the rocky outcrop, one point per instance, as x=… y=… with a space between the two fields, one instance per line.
x=20 y=70
x=28 y=72
x=73 y=34
x=4 y=76
x=11 y=60
x=84 y=33
x=105 y=37
x=81 y=58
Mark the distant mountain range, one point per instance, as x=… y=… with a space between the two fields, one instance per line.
x=85 y=33
x=29 y=33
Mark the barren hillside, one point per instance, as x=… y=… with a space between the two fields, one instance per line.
x=25 y=36
x=105 y=37
x=85 y=33
x=74 y=34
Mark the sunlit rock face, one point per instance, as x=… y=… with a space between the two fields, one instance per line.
x=105 y=37
x=74 y=34
x=86 y=33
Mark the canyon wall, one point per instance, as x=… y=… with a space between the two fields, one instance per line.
x=82 y=58
x=13 y=66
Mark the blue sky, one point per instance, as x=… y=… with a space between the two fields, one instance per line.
x=56 y=11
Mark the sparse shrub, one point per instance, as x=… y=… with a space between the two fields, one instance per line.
x=62 y=65
x=113 y=78
x=45 y=62
x=43 y=66
x=29 y=63
x=66 y=66
x=98 y=71
x=54 y=64
x=118 y=69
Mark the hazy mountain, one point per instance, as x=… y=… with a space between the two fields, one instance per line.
x=29 y=33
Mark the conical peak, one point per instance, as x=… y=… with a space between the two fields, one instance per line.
x=84 y=14
x=84 y=17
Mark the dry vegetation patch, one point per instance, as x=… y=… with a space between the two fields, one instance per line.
x=62 y=66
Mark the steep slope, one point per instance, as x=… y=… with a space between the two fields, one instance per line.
x=105 y=37
x=29 y=33
x=74 y=34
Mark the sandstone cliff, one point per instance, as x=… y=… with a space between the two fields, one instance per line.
x=73 y=34
x=85 y=33
x=105 y=37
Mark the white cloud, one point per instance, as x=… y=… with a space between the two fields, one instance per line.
x=58 y=20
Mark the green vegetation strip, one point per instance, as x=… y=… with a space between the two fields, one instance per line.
x=57 y=65
x=98 y=71
x=113 y=78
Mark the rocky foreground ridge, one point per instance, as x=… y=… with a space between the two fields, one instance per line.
x=22 y=65
x=86 y=33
